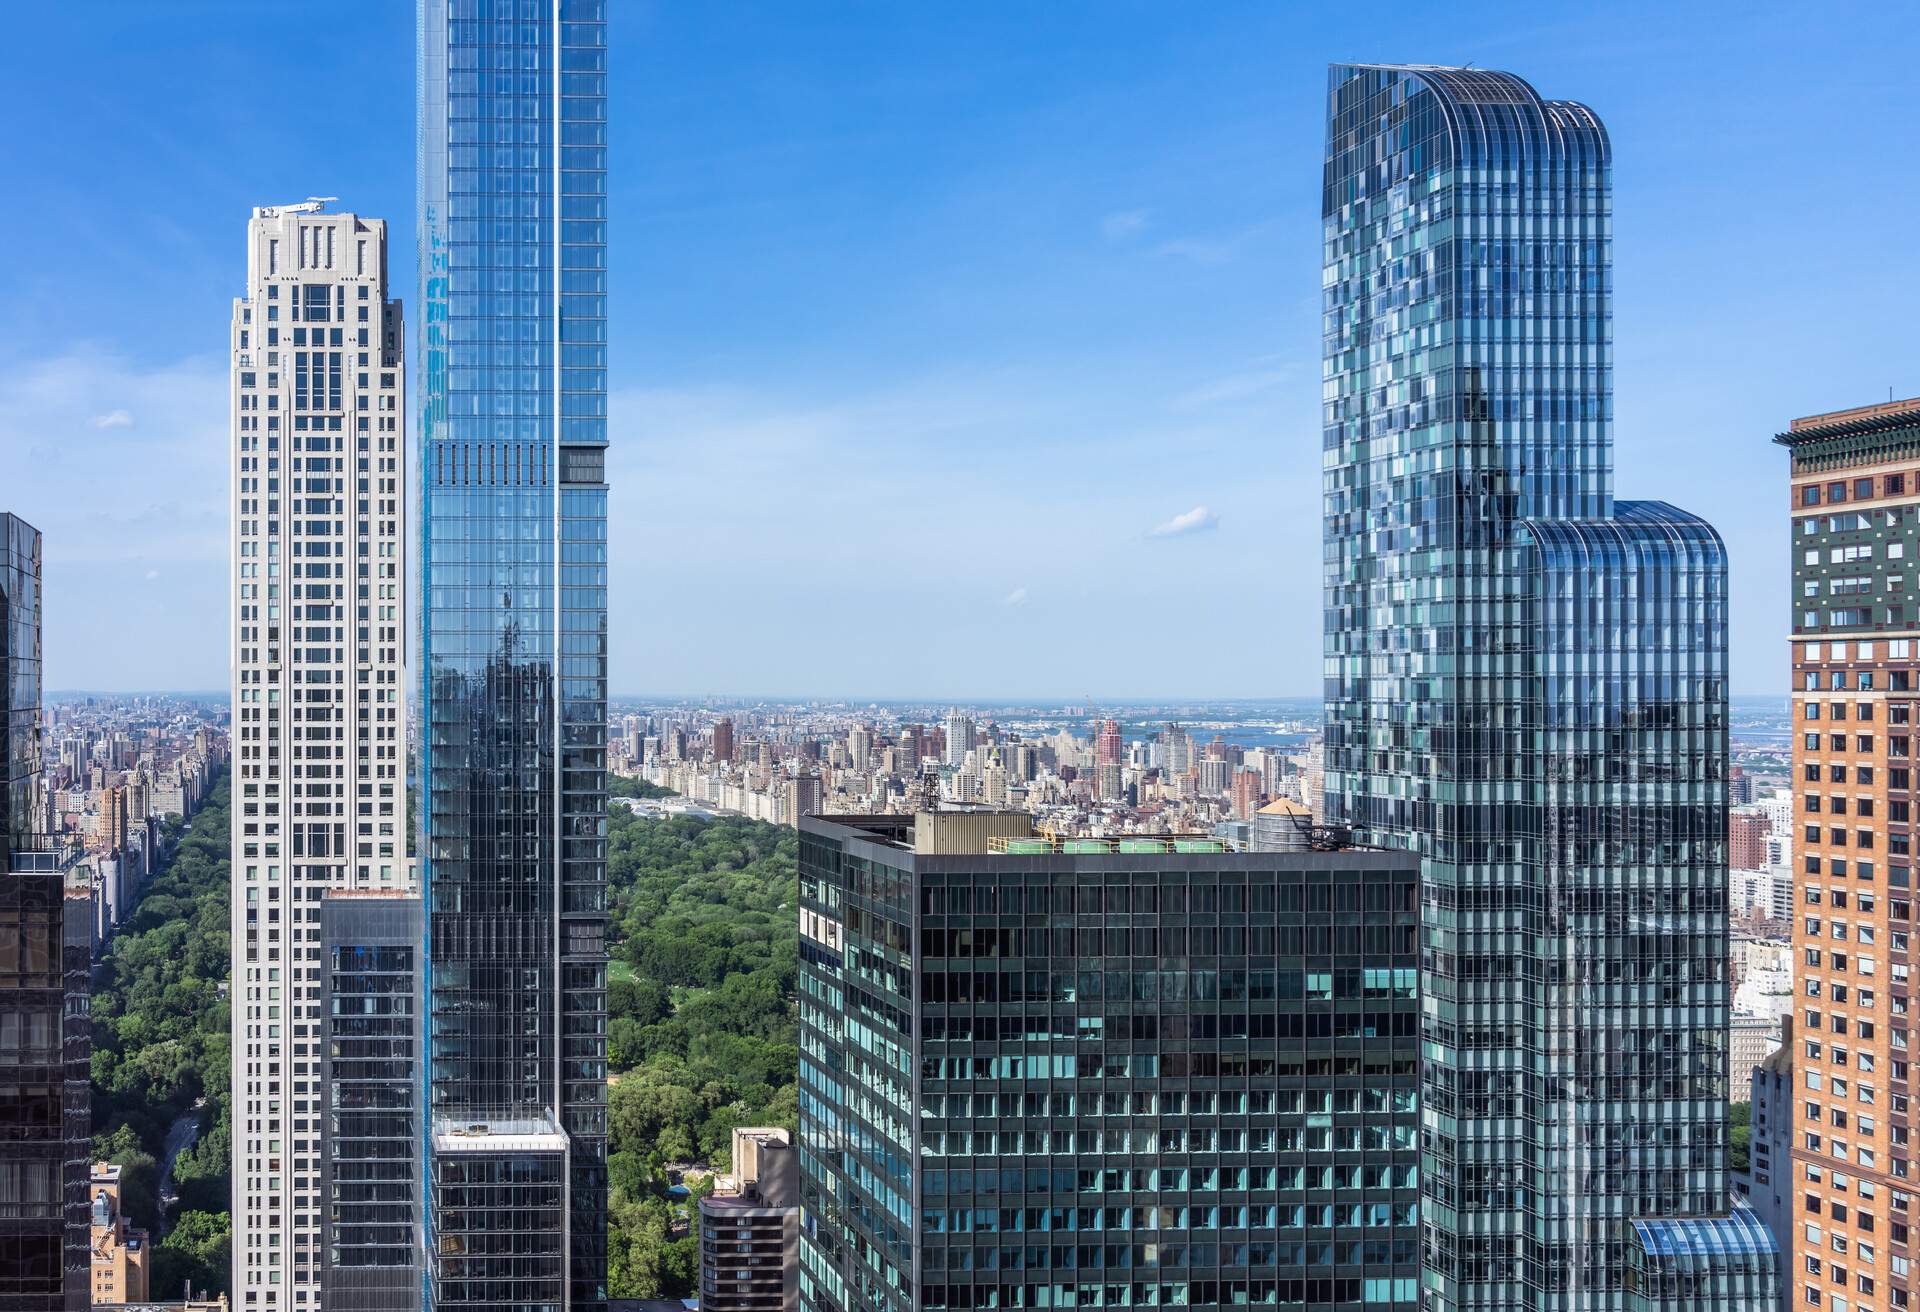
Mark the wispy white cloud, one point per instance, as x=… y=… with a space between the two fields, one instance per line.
x=725 y=493
x=160 y=494
x=1122 y=224
x=1236 y=387
x=1221 y=248
x=1198 y=520
x=117 y=505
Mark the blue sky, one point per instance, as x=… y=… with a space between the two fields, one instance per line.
x=927 y=317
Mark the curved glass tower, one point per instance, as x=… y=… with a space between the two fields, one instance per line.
x=1526 y=684
x=512 y=193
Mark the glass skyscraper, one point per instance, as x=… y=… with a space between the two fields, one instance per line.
x=1087 y=1073
x=46 y=944
x=513 y=434
x=1526 y=684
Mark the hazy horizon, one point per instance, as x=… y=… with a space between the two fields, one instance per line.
x=1067 y=699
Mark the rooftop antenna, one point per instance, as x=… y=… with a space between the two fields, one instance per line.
x=311 y=205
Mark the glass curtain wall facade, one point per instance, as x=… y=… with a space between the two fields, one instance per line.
x=513 y=434
x=370 y=1063
x=1100 y=1077
x=20 y=734
x=1526 y=685
x=46 y=947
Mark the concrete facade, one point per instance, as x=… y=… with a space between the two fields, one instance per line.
x=319 y=690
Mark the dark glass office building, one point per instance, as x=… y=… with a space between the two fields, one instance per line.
x=1136 y=1073
x=512 y=187
x=1527 y=687
x=370 y=1073
x=46 y=944
x=20 y=730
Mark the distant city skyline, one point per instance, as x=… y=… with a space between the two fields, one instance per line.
x=1046 y=279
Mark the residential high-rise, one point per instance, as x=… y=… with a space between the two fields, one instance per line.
x=1214 y=776
x=513 y=524
x=319 y=694
x=1747 y=840
x=113 y=818
x=723 y=739
x=1177 y=750
x=750 y=1228
x=1526 y=685
x=1246 y=794
x=961 y=732
x=1739 y=787
x=46 y=940
x=1107 y=751
x=1855 y=507
x=1075 y=1074
x=802 y=797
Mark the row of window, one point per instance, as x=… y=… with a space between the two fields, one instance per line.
x=1898 y=649
x=1858 y=489
x=1862 y=933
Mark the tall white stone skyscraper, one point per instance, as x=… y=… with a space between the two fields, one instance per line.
x=960 y=734
x=319 y=691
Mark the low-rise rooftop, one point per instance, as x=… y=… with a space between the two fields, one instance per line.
x=498 y=1135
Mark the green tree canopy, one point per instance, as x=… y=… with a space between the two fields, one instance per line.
x=160 y=1047
x=702 y=1031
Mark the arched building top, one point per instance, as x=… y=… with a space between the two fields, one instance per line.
x=1491 y=116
